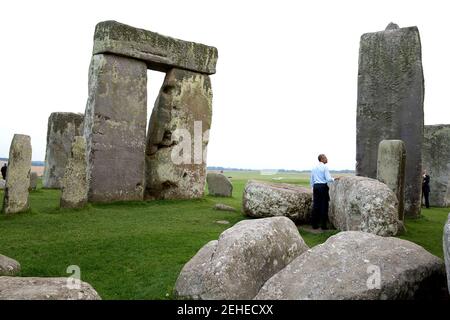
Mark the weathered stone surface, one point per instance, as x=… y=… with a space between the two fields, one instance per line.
x=62 y=127
x=347 y=267
x=446 y=246
x=224 y=207
x=18 y=176
x=241 y=261
x=436 y=160
x=74 y=184
x=390 y=104
x=8 y=266
x=178 y=137
x=31 y=288
x=115 y=123
x=33 y=181
x=159 y=52
x=219 y=185
x=363 y=204
x=265 y=199
x=391 y=169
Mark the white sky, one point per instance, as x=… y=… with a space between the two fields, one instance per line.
x=286 y=81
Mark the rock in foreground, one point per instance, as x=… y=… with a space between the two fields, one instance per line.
x=8 y=266
x=363 y=204
x=265 y=199
x=241 y=261
x=358 y=265
x=17 y=288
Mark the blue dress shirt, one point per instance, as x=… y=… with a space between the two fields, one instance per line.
x=320 y=174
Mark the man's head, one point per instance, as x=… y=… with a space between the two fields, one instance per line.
x=322 y=158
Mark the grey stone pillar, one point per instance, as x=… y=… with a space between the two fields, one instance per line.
x=115 y=123
x=436 y=160
x=391 y=169
x=178 y=136
x=18 y=175
x=74 y=185
x=62 y=128
x=390 y=104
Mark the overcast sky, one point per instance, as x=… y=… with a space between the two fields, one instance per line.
x=286 y=82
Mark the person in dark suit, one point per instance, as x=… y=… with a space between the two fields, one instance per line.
x=4 y=168
x=426 y=188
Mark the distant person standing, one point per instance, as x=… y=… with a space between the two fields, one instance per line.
x=4 y=168
x=426 y=188
x=320 y=176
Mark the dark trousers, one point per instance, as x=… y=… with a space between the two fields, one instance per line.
x=320 y=205
x=426 y=195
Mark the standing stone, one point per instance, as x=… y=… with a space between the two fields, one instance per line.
x=219 y=185
x=74 y=184
x=390 y=104
x=33 y=181
x=115 y=123
x=391 y=169
x=178 y=136
x=363 y=204
x=446 y=246
x=436 y=160
x=62 y=127
x=18 y=175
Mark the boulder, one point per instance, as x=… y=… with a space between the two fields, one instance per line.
x=31 y=288
x=8 y=266
x=62 y=128
x=363 y=204
x=115 y=128
x=446 y=246
x=224 y=207
x=390 y=104
x=219 y=185
x=266 y=199
x=160 y=52
x=33 y=181
x=178 y=137
x=241 y=261
x=436 y=160
x=74 y=189
x=18 y=175
x=357 y=265
x=391 y=169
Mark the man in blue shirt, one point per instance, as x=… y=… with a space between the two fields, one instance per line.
x=320 y=177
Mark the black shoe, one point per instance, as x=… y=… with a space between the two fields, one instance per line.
x=324 y=228
x=315 y=227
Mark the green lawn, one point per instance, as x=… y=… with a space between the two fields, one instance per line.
x=135 y=250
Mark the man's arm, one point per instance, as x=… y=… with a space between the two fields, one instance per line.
x=328 y=177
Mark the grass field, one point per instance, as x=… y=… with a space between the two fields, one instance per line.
x=135 y=250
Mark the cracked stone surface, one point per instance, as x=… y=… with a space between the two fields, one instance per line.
x=115 y=125
x=62 y=128
x=241 y=261
x=390 y=104
x=178 y=137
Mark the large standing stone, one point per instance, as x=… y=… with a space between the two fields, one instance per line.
x=33 y=181
x=391 y=169
x=390 y=104
x=265 y=199
x=159 y=52
x=359 y=266
x=436 y=160
x=363 y=204
x=33 y=288
x=219 y=185
x=241 y=261
x=446 y=246
x=74 y=184
x=8 y=266
x=62 y=127
x=178 y=137
x=115 y=123
x=18 y=175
